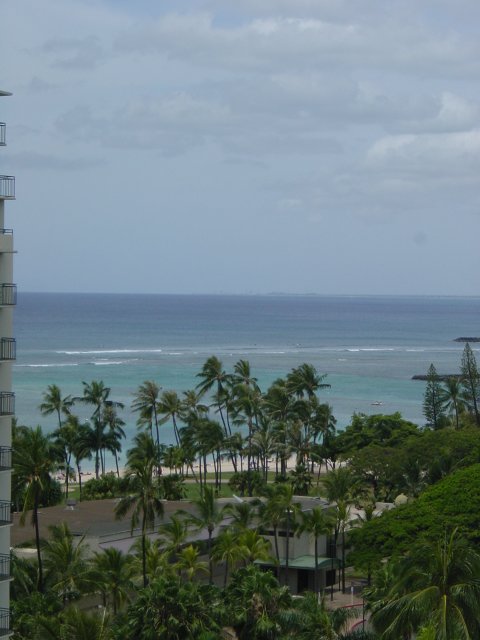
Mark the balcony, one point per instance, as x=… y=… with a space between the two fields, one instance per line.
x=5 y=458
x=8 y=294
x=8 y=349
x=7 y=188
x=5 y=514
x=7 y=403
x=3 y=134
x=5 y=629
x=6 y=240
x=5 y=567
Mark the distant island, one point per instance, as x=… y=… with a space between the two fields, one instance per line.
x=441 y=377
x=471 y=339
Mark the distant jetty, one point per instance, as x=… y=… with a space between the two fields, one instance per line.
x=442 y=377
x=470 y=339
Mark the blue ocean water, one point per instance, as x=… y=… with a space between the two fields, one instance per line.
x=369 y=347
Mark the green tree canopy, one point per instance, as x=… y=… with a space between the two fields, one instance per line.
x=174 y=610
x=385 y=430
x=451 y=502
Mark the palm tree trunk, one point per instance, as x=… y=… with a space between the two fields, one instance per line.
x=79 y=480
x=37 y=539
x=144 y=551
x=175 y=430
x=287 y=548
x=67 y=469
x=200 y=473
x=250 y=426
x=156 y=425
x=210 y=563
x=277 y=551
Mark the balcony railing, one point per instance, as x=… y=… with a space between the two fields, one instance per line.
x=3 y=134
x=5 y=458
x=5 y=567
x=7 y=187
x=7 y=403
x=8 y=349
x=8 y=294
x=5 y=513
x=5 y=629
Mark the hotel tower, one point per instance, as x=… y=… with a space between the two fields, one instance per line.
x=8 y=299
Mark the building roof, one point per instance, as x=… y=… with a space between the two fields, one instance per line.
x=93 y=518
x=304 y=562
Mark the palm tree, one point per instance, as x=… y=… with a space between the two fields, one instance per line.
x=204 y=437
x=192 y=407
x=313 y=621
x=247 y=408
x=242 y=375
x=112 y=571
x=255 y=546
x=170 y=407
x=264 y=444
x=173 y=609
x=342 y=514
x=65 y=563
x=452 y=395
x=157 y=561
x=279 y=407
x=189 y=564
x=74 y=624
x=33 y=462
x=317 y=522
x=242 y=513
x=305 y=381
x=94 y=393
x=280 y=510
x=81 y=448
x=256 y=602
x=54 y=403
x=213 y=376
x=208 y=515
x=93 y=439
x=228 y=550
x=339 y=487
x=115 y=433
x=64 y=440
x=436 y=589
x=144 y=500
x=145 y=401
x=173 y=534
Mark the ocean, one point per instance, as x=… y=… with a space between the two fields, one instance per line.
x=369 y=347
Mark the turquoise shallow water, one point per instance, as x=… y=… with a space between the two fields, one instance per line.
x=369 y=346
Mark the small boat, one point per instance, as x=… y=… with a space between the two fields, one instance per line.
x=377 y=403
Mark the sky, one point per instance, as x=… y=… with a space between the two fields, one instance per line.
x=243 y=146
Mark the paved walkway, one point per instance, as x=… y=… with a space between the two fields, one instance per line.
x=347 y=600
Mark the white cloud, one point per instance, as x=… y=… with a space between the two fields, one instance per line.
x=450 y=152
x=309 y=119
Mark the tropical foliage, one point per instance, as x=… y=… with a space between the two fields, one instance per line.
x=282 y=442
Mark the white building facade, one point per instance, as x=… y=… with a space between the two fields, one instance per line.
x=8 y=299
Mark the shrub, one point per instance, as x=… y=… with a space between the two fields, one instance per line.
x=239 y=482
x=107 y=486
